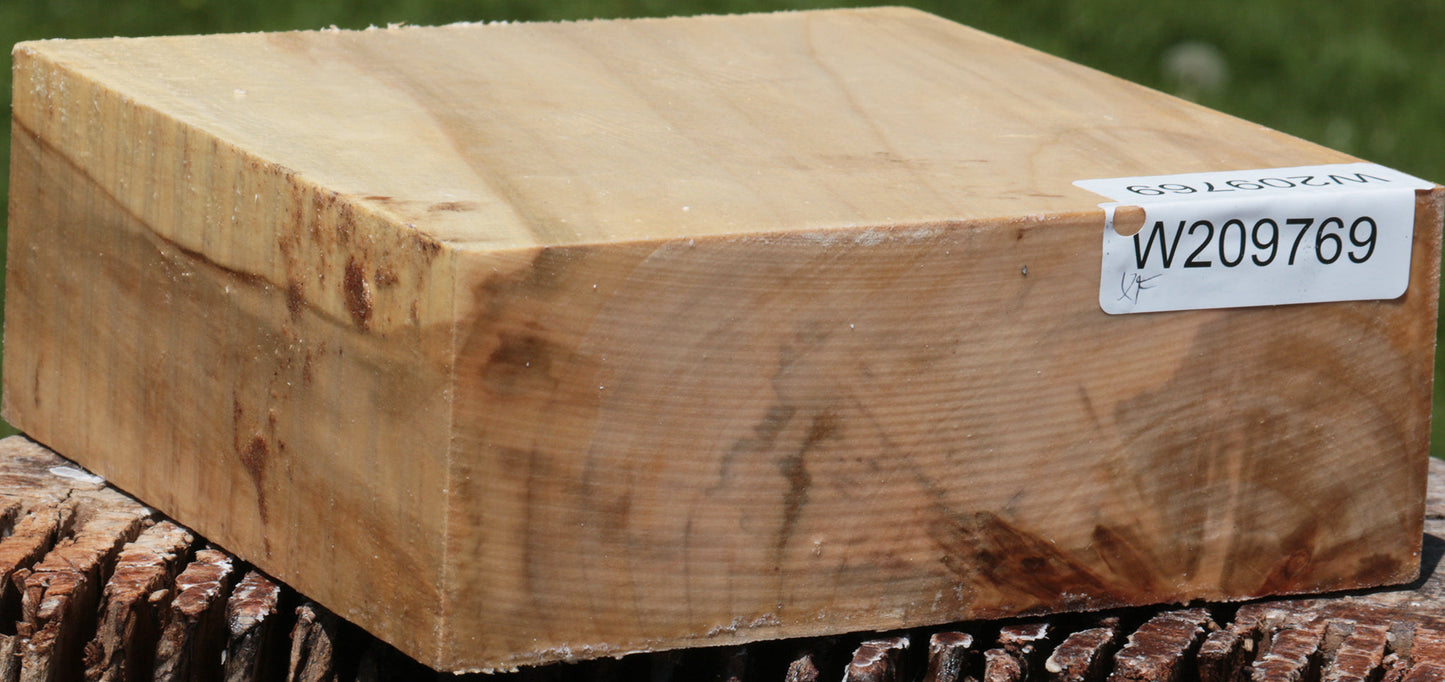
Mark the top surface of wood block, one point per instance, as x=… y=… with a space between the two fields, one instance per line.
x=498 y=136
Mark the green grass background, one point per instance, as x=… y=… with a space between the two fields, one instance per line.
x=1363 y=76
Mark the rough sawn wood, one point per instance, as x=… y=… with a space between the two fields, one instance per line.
x=1386 y=634
x=528 y=343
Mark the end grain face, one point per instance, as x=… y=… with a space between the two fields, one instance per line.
x=776 y=337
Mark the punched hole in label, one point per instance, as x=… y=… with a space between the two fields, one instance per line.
x=1127 y=220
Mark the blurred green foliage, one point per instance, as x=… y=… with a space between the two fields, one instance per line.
x=1363 y=76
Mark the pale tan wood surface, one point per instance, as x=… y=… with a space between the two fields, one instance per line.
x=532 y=342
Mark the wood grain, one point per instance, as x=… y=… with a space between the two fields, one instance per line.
x=1084 y=655
x=252 y=642
x=135 y=603
x=948 y=656
x=528 y=343
x=1160 y=647
x=313 y=645
x=195 y=635
x=1392 y=633
x=62 y=591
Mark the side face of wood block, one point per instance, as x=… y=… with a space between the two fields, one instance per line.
x=515 y=344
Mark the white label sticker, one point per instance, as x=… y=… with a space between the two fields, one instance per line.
x=1235 y=239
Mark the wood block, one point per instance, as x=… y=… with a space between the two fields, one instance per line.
x=524 y=343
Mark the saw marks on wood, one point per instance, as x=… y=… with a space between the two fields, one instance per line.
x=171 y=603
x=526 y=343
